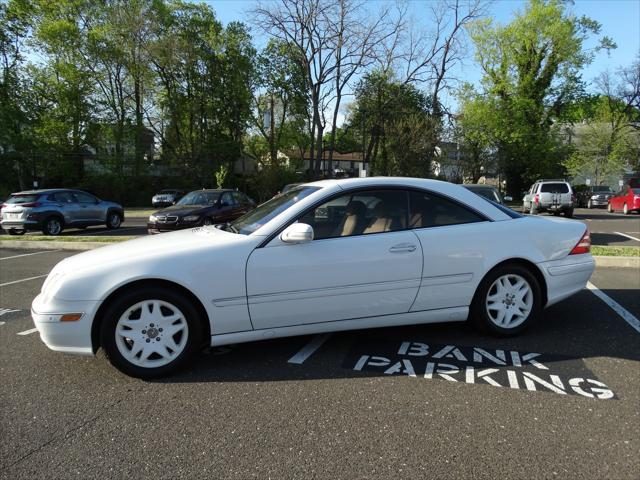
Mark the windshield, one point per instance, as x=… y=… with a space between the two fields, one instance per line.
x=18 y=199
x=199 y=198
x=255 y=219
x=603 y=189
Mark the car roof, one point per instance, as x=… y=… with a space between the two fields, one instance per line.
x=218 y=190
x=45 y=191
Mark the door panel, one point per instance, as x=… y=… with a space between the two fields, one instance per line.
x=333 y=279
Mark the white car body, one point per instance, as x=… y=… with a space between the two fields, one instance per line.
x=256 y=286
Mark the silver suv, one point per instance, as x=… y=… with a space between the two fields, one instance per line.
x=554 y=196
x=53 y=210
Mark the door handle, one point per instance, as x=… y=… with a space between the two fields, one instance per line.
x=403 y=248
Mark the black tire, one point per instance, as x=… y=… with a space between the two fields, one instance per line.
x=13 y=231
x=114 y=220
x=568 y=213
x=118 y=307
x=479 y=313
x=52 y=226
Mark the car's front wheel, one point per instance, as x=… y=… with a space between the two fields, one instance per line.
x=507 y=301
x=15 y=231
x=150 y=332
x=52 y=226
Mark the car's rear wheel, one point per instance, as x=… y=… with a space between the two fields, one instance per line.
x=52 y=226
x=625 y=209
x=15 y=231
x=113 y=220
x=507 y=301
x=568 y=213
x=151 y=332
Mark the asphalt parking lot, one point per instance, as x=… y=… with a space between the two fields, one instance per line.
x=614 y=229
x=562 y=400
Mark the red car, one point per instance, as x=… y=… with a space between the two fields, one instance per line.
x=626 y=200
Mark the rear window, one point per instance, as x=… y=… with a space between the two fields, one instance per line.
x=554 y=188
x=18 y=199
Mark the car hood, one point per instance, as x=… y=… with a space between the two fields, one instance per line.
x=153 y=247
x=182 y=210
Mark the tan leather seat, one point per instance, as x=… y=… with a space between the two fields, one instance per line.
x=353 y=221
x=381 y=221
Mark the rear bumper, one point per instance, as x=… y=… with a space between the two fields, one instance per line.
x=20 y=224
x=567 y=276
x=68 y=337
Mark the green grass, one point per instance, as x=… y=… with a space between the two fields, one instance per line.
x=615 y=251
x=69 y=238
x=139 y=212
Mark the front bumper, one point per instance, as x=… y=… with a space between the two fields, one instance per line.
x=159 y=227
x=567 y=276
x=69 y=337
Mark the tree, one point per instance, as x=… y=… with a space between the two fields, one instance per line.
x=531 y=73
x=396 y=125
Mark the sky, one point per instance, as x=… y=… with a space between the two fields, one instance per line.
x=620 y=20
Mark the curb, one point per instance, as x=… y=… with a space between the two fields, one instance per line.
x=601 y=261
x=619 y=262
x=52 y=245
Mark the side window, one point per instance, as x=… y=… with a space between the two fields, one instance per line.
x=227 y=199
x=84 y=197
x=359 y=213
x=238 y=197
x=428 y=210
x=63 y=197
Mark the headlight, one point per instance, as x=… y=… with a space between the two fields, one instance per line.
x=191 y=218
x=152 y=218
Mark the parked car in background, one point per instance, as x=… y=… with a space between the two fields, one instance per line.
x=326 y=256
x=289 y=186
x=591 y=196
x=553 y=196
x=627 y=200
x=53 y=210
x=487 y=191
x=164 y=198
x=201 y=207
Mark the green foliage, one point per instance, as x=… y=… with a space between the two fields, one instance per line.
x=221 y=176
x=532 y=72
x=395 y=123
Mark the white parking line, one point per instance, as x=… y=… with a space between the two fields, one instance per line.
x=29 y=254
x=628 y=236
x=306 y=351
x=23 y=280
x=615 y=306
x=28 y=332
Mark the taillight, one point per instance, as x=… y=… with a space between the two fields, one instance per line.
x=536 y=199
x=584 y=245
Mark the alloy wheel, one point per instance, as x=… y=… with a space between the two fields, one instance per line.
x=53 y=226
x=151 y=333
x=509 y=301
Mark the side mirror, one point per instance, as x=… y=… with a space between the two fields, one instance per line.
x=297 y=233
x=508 y=199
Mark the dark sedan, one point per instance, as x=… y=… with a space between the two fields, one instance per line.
x=201 y=207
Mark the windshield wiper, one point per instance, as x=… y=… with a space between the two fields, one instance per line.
x=229 y=228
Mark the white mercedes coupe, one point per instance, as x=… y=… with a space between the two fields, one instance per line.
x=325 y=256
